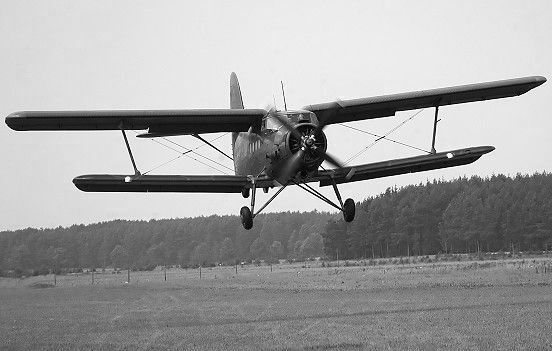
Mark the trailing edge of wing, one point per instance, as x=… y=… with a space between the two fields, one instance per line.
x=404 y=165
x=166 y=183
x=158 y=122
x=387 y=105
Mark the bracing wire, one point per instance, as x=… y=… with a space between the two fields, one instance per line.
x=165 y=163
x=184 y=154
x=200 y=155
x=389 y=132
x=382 y=137
x=188 y=150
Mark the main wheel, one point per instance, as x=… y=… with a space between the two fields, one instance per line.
x=349 y=210
x=245 y=193
x=246 y=217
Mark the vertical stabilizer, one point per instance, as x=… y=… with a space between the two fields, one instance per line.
x=236 y=102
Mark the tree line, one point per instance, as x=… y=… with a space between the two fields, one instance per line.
x=491 y=214
x=145 y=244
x=462 y=215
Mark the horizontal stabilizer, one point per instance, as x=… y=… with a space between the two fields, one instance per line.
x=403 y=165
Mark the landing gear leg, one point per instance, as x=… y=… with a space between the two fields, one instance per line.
x=347 y=207
x=247 y=214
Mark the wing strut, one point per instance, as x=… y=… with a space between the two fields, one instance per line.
x=136 y=171
x=433 y=151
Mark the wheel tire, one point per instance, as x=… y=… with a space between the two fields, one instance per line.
x=245 y=193
x=349 y=210
x=246 y=217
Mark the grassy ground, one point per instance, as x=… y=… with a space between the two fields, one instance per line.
x=461 y=305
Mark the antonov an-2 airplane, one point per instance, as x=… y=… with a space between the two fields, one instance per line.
x=272 y=148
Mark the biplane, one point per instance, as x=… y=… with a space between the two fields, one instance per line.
x=272 y=148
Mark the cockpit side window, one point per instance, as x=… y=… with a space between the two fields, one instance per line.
x=272 y=123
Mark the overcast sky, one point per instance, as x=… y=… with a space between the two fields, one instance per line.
x=65 y=55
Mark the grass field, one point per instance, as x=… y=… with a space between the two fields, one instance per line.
x=461 y=305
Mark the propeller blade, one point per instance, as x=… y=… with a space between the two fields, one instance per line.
x=329 y=158
x=292 y=165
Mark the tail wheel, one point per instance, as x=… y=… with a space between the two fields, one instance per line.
x=348 y=210
x=247 y=217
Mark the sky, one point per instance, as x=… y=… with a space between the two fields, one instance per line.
x=72 y=55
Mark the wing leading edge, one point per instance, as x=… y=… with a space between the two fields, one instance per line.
x=158 y=122
x=387 y=105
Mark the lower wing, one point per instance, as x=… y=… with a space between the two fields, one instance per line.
x=168 y=183
x=402 y=166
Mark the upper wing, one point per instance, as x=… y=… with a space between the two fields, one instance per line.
x=158 y=122
x=168 y=183
x=387 y=105
x=402 y=166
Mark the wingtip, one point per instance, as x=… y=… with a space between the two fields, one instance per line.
x=540 y=79
x=486 y=149
x=13 y=120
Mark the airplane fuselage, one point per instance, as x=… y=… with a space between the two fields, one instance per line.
x=264 y=151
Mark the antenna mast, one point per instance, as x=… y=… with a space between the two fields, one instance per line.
x=284 y=95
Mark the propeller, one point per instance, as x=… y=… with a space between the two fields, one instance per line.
x=294 y=163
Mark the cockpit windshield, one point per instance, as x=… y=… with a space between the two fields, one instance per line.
x=295 y=117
